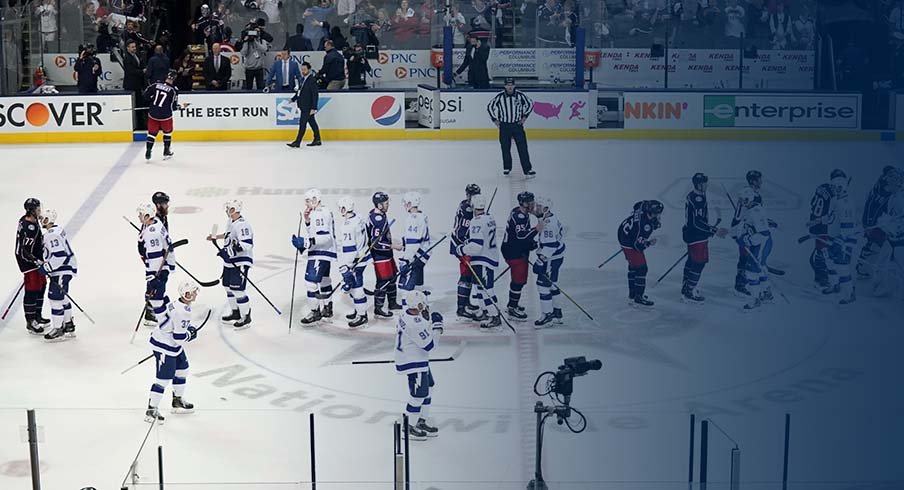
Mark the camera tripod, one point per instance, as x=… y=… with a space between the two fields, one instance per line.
x=543 y=412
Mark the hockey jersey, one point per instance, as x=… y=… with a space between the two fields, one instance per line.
x=754 y=226
x=29 y=244
x=172 y=331
x=634 y=232
x=162 y=99
x=353 y=241
x=551 y=243
x=520 y=237
x=155 y=242
x=376 y=225
x=892 y=222
x=876 y=203
x=821 y=209
x=58 y=255
x=239 y=244
x=414 y=342
x=696 y=215
x=417 y=238
x=461 y=225
x=481 y=245
x=321 y=232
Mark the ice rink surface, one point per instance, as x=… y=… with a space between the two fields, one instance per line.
x=832 y=368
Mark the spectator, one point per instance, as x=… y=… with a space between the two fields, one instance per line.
x=549 y=16
x=131 y=33
x=476 y=56
x=133 y=72
x=299 y=42
x=271 y=9
x=254 y=52
x=105 y=42
x=158 y=66
x=315 y=17
x=734 y=20
x=201 y=27
x=805 y=30
x=570 y=23
x=358 y=68
x=284 y=74
x=87 y=71
x=456 y=19
x=185 y=71
x=365 y=33
x=47 y=12
x=505 y=22
x=332 y=73
x=39 y=85
x=344 y=8
x=217 y=70
x=480 y=23
x=339 y=41
x=405 y=25
x=780 y=27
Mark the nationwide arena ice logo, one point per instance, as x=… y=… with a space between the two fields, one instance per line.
x=386 y=111
x=287 y=111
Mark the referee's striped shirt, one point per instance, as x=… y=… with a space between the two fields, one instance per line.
x=507 y=108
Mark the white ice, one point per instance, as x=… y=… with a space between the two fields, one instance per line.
x=809 y=358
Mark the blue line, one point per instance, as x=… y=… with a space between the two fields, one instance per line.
x=80 y=217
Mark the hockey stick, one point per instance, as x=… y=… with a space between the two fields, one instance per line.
x=80 y=309
x=138 y=325
x=718 y=220
x=203 y=284
x=504 y=272
x=130 y=109
x=495 y=304
x=565 y=294
x=13 y=301
x=294 y=276
x=454 y=356
x=611 y=257
x=397 y=274
x=133 y=366
x=241 y=270
x=361 y=257
x=493 y=198
x=757 y=262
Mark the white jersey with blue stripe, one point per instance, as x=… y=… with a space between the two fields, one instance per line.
x=843 y=220
x=416 y=237
x=172 y=331
x=58 y=254
x=239 y=243
x=323 y=231
x=755 y=225
x=156 y=242
x=551 y=241
x=353 y=241
x=481 y=244
x=414 y=342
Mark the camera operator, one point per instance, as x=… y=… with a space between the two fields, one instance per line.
x=254 y=52
x=87 y=70
x=258 y=25
x=358 y=68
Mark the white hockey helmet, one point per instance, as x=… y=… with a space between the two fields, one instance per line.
x=416 y=299
x=839 y=180
x=313 y=196
x=747 y=197
x=146 y=209
x=412 y=199
x=346 y=205
x=233 y=204
x=48 y=217
x=542 y=203
x=188 y=288
x=479 y=202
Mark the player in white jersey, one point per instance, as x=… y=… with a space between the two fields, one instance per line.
x=842 y=236
x=154 y=242
x=415 y=242
x=238 y=256
x=354 y=256
x=892 y=223
x=417 y=335
x=321 y=246
x=752 y=232
x=550 y=255
x=174 y=330
x=61 y=267
x=484 y=253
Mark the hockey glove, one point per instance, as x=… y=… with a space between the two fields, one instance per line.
x=771 y=223
x=192 y=333
x=236 y=248
x=224 y=254
x=44 y=268
x=437 y=319
x=298 y=242
x=348 y=279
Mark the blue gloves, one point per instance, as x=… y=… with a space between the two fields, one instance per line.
x=540 y=268
x=436 y=318
x=299 y=243
x=44 y=269
x=192 y=333
x=348 y=278
x=224 y=254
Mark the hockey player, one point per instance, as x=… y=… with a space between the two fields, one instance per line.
x=484 y=259
x=163 y=99
x=753 y=235
x=842 y=238
x=354 y=257
x=158 y=263
x=321 y=246
x=634 y=238
x=161 y=202
x=876 y=205
x=892 y=225
x=29 y=250
x=380 y=239
x=418 y=333
x=238 y=256
x=167 y=340
x=754 y=183
x=460 y=227
x=550 y=255
x=520 y=239
x=696 y=234
x=415 y=242
x=820 y=217
x=61 y=267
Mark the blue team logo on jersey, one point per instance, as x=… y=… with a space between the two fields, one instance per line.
x=287 y=111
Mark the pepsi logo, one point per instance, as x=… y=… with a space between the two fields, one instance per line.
x=386 y=111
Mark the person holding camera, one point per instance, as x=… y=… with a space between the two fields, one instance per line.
x=217 y=69
x=258 y=25
x=254 y=52
x=358 y=68
x=87 y=70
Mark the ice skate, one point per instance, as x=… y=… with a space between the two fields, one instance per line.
x=358 y=322
x=153 y=415
x=55 y=335
x=167 y=154
x=641 y=301
x=313 y=317
x=426 y=428
x=463 y=315
x=545 y=321
x=69 y=329
x=327 y=310
x=182 y=406
x=832 y=289
x=379 y=312
x=692 y=297
x=557 y=316
x=234 y=316
x=33 y=327
x=516 y=315
x=243 y=323
x=416 y=434
x=491 y=323
x=753 y=305
x=150 y=319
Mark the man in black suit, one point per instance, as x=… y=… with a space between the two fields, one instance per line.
x=307 y=99
x=133 y=78
x=217 y=69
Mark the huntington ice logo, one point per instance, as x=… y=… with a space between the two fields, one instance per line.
x=719 y=111
x=207 y=192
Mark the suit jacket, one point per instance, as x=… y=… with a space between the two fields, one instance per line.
x=275 y=77
x=222 y=75
x=307 y=97
x=133 y=79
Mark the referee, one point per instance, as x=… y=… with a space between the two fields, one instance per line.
x=508 y=110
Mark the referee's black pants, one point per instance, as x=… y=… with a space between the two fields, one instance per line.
x=507 y=132
x=304 y=119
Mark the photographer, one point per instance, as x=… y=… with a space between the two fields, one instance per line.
x=258 y=25
x=254 y=51
x=87 y=70
x=358 y=68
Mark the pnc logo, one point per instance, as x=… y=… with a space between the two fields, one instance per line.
x=401 y=72
x=386 y=111
x=383 y=58
x=60 y=62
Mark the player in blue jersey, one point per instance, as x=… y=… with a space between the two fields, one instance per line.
x=876 y=205
x=163 y=99
x=520 y=239
x=385 y=268
x=460 y=233
x=696 y=234
x=820 y=218
x=634 y=237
